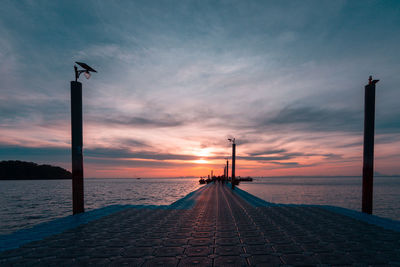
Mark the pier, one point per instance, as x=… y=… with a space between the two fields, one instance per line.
x=215 y=226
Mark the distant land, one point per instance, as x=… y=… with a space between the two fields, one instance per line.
x=22 y=170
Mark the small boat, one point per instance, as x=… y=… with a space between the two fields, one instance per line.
x=246 y=179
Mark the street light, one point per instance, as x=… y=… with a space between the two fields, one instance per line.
x=76 y=136
x=232 y=140
x=86 y=71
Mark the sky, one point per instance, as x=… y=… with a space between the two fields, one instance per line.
x=177 y=78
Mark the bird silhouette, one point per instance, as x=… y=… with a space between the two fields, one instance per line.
x=372 y=81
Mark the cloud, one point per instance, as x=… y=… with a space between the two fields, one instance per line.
x=166 y=121
x=119 y=164
x=130 y=142
x=317 y=119
x=267 y=152
x=294 y=164
x=262 y=159
x=126 y=153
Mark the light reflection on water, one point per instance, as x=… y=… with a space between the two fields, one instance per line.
x=337 y=191
x=26 y=203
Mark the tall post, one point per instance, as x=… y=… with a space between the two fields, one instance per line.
x=368 y=157
x=233 y=164
x=227 y=170
x=77 y=143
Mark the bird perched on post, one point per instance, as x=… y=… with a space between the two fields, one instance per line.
x=372 y=81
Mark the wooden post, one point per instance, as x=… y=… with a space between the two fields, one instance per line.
x=227 y=170
x=368 y=157
x=233 y=164
x=77 y=143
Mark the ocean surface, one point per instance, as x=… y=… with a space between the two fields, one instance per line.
x=24 y=204
x=336 y=191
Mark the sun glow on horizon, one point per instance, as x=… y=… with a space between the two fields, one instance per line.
x=201 y=161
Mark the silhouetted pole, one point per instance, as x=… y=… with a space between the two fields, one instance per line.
x=369 y=132
x=76 y=136
x=77 y=155
x=233 y=163
x=227 y=170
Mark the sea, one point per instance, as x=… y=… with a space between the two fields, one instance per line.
x=24 y=204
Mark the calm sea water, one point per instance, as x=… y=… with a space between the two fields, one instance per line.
x=337 y=191
x=26 y=203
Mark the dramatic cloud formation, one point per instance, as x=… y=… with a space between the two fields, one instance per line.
x=177 y=78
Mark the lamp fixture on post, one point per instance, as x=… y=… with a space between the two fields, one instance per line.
x=86 y=71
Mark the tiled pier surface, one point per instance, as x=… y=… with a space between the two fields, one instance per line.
x=222 y=229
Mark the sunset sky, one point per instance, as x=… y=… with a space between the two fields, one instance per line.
x=177 y=78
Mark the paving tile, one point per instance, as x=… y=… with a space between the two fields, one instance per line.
x=41 y=252
x=196 y=261
x=259 y=249
x=202 y=234
x=370 y=259
x=201 y=241
x=279 y=240
x=205 y=229
x=134 y=262
x=318 y=247
x=13 y=253
x=168 y=251
x=179 y=235
x=136 y=252
x=153 y=235
x=265 y=260
x=227 y=234
x=74 y=252
x=226 y=229
x=175 y=242
x=288 y=249
x=229 y=250
x=57 y=262
x=245 y=234
x=161 y=261
x=334 y=258
x=229 y=261
x=227 y=241
x=148 y=242
x=92 y=262
x=254 y=240
x=300 y=260
x=106 y=252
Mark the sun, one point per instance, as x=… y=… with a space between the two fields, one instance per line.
x=204 y=152
x=201 y=161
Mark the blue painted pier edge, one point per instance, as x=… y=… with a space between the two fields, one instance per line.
x=368 y=218
x=57 y=226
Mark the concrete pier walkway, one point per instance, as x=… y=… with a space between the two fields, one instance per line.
x=222 y=228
